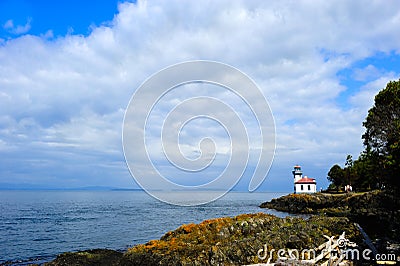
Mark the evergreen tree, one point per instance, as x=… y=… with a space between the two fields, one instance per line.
x=379 y=164
x=382 y=135
x=336 y=177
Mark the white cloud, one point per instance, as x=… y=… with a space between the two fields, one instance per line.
x=369 y=72
x=9 y=24
x=364 y=98
x=67 y=94
x=17 y=29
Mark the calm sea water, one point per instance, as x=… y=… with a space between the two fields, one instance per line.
x=35 y=226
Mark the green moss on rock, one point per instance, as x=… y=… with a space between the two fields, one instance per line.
x=378 y=212
x=235 y=241
x=88 y=257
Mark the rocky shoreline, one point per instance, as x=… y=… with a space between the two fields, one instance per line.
x=377 y=212
x=239 y=240
x=254 y=238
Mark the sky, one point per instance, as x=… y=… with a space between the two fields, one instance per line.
x=69 y=68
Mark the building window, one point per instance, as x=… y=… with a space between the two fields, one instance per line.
x=301 y=187
x=309 y=187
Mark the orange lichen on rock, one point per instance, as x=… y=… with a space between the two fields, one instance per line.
x=232 y=240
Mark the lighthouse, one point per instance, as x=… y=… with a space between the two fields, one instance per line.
x=297 y=173
x=303 y=184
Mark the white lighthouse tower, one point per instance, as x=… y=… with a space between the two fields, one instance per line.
x=303 y=184
x=297 y=173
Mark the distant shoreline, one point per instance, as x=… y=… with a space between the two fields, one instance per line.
x=71 y=189
x=127 y=189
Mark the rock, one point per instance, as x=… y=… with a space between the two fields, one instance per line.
x=88 y=257
x=202 y=244
x=378 y=212
x=238 y=240
x=308 y=203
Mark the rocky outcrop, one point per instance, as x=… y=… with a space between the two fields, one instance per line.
x=236 y=241
x=95 y=257
x=377 y=211
x=307 y=203
x=222 y=241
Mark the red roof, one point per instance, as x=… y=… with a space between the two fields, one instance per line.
x=306 y=180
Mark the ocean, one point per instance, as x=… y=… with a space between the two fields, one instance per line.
x=35 y=226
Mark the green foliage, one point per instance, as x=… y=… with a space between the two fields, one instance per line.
x=336 y=177
x=333 y=187
x=379 y=164
x=349 y=174
x=382 y=135
x=349 y=161
x=365 y=173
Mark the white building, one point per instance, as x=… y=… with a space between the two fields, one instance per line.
x=303 y=184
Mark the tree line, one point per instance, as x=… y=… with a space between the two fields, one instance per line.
x=378 y=165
